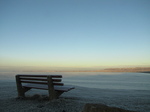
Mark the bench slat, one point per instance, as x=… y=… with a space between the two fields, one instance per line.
x=56 y=76
x=61 y=84
x=56 y=80
x=21 y=75
x=34 y=82
x=53 y=76
x=38 y=82
x=33 y=79
x=37 y=79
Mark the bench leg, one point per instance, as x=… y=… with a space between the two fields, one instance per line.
x=21 y=93
x=51 y=91
x=54 y=95
x=20 y=90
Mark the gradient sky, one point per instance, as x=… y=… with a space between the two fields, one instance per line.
x=75 y=33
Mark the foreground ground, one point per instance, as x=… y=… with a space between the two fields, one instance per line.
x=73 y=101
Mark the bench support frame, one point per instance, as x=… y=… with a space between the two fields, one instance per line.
x=53 y=94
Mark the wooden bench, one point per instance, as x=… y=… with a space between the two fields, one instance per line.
x=52 y=83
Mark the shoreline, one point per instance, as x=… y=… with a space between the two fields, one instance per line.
x=94 y=71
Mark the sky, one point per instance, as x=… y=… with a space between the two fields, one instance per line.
x=75 y=33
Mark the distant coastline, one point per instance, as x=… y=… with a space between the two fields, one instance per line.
x=136 y=69
x=145 y=72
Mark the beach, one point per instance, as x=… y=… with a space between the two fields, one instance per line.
x=72 y=101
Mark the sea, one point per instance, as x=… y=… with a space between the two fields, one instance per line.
x=100 y=80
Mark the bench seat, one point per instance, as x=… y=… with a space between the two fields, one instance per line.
x=64 y=88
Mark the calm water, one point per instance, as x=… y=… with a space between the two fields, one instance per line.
x=134 y=81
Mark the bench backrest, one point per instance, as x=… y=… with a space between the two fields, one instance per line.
x=40 y=79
